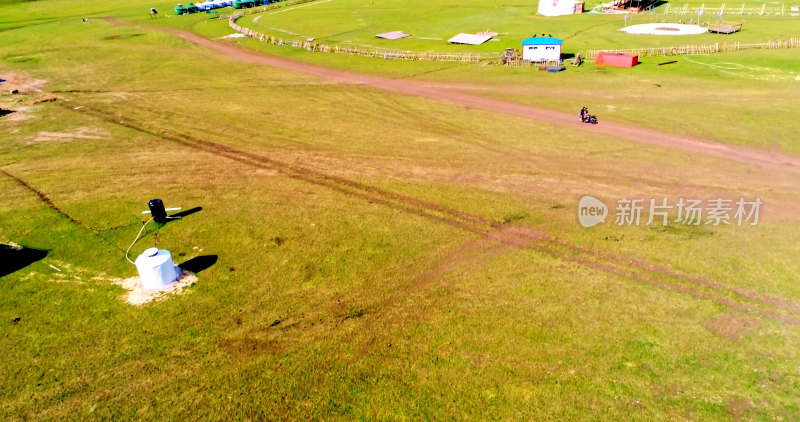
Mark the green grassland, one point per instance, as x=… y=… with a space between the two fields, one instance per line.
x=346 y=285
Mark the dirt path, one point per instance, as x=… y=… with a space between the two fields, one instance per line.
x=441 y=92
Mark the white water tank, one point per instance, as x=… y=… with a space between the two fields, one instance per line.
x=156 y=269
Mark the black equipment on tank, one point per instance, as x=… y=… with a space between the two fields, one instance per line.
x=157 y=211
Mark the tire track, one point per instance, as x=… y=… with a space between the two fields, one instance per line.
x=456 y=218
x=50 y=204
x=47 y=201
x=634 y=269
x=749 y=302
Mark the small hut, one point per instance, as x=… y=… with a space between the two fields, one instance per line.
x=538 y=49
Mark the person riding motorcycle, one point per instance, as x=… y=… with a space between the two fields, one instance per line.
x=587 y=117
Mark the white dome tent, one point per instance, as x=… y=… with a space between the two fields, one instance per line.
x=556 y=7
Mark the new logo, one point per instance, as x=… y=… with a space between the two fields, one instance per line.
x=591 y=211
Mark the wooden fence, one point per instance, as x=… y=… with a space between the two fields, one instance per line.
x=266 y=7
x=699 y=49
x=763 y=10
x=518 y=62
x=350 y=50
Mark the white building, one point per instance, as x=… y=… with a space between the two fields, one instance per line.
x=541 y=48
x=556 y=7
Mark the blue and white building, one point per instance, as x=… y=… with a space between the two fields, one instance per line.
x=541 y=49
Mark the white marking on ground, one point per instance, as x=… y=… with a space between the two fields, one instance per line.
x=285 y=31
x=719 y=65
x=297 y=7
x=664 y=29
x=759 y=73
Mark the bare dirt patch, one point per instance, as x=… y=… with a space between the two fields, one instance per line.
x=731 y=325
x=25 y=84
x=137 y=296
x=18 y=114
x=739 y=408
x=80 y=133
x=18 y=94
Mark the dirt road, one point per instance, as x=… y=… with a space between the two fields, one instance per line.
x=762 y=158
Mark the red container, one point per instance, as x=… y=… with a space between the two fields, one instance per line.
x=615 y=59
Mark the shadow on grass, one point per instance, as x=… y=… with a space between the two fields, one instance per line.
x=14 y=259
x=198 y=263
x=178 y=216
x=187 y=212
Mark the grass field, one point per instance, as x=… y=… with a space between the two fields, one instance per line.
x=375 y=255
